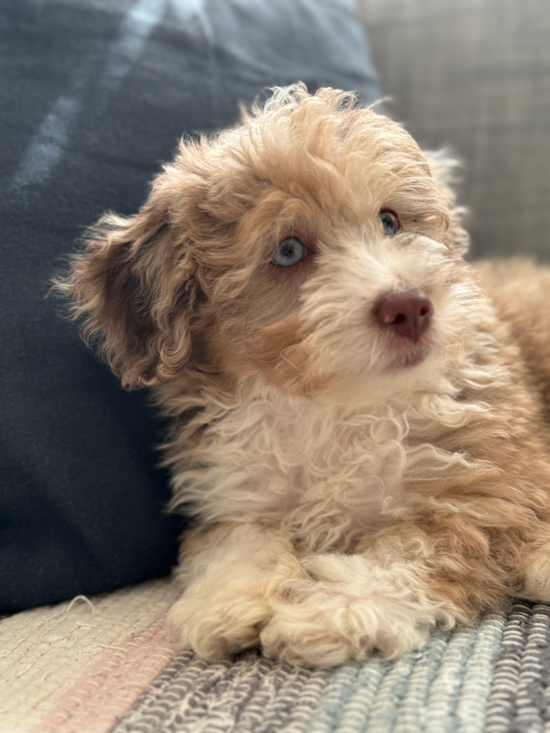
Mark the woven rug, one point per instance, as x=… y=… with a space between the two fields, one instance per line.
x=103 y=664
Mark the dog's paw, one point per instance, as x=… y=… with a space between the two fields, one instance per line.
x=223 y=614
x=536 y=576
x=345 y=611
x=218 y=627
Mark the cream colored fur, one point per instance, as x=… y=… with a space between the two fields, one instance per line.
x=352 y=488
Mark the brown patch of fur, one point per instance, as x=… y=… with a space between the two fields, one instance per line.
x=282 y=358
x=519 y=290
x=136 y=294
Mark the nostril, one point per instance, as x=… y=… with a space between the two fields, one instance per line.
x=406 y=314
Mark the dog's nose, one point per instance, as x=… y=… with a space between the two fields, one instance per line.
x=407 y=314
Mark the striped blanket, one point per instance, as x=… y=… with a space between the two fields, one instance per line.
x=104 y=664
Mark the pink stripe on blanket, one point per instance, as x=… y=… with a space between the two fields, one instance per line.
x=111 y=686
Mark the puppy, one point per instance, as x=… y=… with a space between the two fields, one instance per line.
x=360 y=430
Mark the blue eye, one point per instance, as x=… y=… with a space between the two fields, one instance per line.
x=390 y=223
x=289 y=252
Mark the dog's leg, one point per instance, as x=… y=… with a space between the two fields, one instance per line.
x=231 y=573
x=535 y=573
x=386 y=597
x=349 y=607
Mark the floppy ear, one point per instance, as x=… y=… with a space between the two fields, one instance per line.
x=444 y=172
x=133 y=285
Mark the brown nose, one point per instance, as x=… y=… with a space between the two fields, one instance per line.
x=407 y=314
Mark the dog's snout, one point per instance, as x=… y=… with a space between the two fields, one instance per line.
x=407 y=314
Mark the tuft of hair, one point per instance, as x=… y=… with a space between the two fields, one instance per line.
x=445 y=168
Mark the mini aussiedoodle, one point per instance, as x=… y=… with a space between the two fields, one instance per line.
x=359 y=418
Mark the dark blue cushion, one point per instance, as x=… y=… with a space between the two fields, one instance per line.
x=94 y=96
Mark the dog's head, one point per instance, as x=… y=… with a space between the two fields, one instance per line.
x=314 y=246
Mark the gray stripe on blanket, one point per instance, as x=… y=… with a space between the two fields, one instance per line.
x=249 y=693
x=520 y=697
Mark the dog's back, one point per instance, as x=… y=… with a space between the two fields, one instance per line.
x=520 y=291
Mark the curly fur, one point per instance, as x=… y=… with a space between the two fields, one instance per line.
x=352 y=489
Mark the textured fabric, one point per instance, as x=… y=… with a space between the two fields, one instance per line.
x=442 y=688
x=95 y=95
x=104 y=664
x=249 y=694
x=77 y=666
x=520 y=698
x=474 y=75
x=111 y=685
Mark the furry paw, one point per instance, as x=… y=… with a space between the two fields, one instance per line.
x=347 y=609
x=223 y=613
x=226 y=624
x=324 y=611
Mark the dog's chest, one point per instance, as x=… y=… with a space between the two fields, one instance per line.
x=328 y=474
